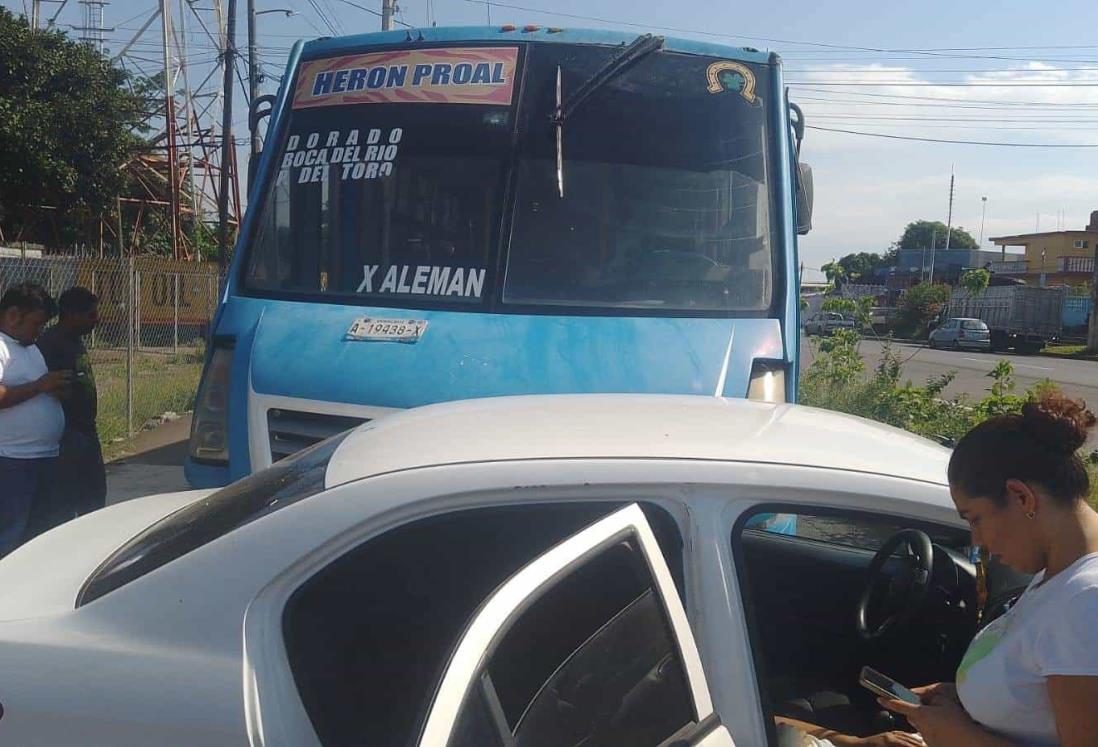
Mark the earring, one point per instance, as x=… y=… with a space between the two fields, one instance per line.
x=1031 y=514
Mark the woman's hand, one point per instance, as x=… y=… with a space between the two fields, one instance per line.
x=940 y=719
x=887 y=739
x=937 y=693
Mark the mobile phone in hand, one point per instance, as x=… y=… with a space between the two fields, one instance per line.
x=886 y=687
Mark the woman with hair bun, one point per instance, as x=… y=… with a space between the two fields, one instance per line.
x=1030 y=678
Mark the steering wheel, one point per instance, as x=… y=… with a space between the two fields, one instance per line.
x=906 y=588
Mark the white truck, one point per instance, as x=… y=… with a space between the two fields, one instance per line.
x=1022 y=317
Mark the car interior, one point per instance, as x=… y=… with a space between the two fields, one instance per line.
x=839 y=591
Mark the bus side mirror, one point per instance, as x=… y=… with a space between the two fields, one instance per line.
x=804 y=198
x=260 y=109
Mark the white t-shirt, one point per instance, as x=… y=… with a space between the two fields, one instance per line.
x=1051 y=630
x=31 y=429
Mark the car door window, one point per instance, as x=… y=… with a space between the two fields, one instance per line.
x=368 y=637
x=801 y=592
x=588 y=645
x=862 y=531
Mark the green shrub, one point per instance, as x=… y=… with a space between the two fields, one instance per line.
x=837 y=380
x=918 y=305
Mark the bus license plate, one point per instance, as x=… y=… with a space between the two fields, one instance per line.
x=387 y=330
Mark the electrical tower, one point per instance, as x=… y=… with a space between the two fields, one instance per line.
x=93 y=32
x=179 y=175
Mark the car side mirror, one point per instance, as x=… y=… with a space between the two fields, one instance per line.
x=804 y=198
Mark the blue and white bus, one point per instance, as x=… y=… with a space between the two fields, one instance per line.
x=442 y=214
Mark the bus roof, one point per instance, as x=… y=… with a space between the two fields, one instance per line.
x=329 y=46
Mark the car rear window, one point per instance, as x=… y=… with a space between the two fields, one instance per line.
x=973 y=324
x=196 y=524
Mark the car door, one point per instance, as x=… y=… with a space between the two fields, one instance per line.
x=940 y=336
x=950 y=335
x=588 y=644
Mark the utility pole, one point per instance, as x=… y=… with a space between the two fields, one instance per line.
x=36 y=13
x=170 y=128
x=1092 y=334
x=388 y=8
x=229 y=54
x=949 y=220
x=933 y=250
x=253 y=92
x=983 y=217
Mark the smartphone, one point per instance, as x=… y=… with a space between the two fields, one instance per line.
x=886 y=687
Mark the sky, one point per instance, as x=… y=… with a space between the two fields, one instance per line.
x=1009 y=72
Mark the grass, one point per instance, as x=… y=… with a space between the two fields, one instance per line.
x=1069 y=351
x=1094 y=485
x=161 y=383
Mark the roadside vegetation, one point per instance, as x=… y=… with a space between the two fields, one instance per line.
x=161 y=383
x=1070 y=351
x=838 y=379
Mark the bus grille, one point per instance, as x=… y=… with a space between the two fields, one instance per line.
x=290 y=431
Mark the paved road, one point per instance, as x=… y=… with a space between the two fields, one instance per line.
x=154 y=464
x=1076 y=378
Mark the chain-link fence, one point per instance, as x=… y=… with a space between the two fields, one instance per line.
x=147 y=351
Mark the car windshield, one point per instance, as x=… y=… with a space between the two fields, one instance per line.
x=432 y=203
x=290 y=480
x=973 y=324
x=665 y=200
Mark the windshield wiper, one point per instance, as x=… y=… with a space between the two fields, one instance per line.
x=638 y=49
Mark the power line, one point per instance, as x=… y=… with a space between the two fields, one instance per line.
x=334 y=16
x=892 y=70
x=985 y=120
x=374 y=12
x=953 y=142
x=323 y=16
x=943 y=84
x=769 y=40
x=1006 y=108
x=931 y=98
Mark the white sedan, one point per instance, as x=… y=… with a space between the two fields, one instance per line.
x=572 y=570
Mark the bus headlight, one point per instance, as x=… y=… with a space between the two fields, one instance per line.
x=210 y=425
x=767 y=382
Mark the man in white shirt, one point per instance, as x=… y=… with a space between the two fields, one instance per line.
x=31 y=419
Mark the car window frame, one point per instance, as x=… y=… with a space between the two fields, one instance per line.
x=277 y=708
x=745 y=510
x=510 y=601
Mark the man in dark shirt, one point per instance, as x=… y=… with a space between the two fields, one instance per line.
x=81 y=484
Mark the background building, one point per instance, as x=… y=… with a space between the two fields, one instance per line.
x=1051 y=258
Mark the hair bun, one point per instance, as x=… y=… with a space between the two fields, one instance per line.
x=1059 y=423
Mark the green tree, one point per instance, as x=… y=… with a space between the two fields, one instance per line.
x=918 y=235
x=69 y=120
x=918 y=305
x=834 y=272
x=858 y=309
x=976 y=281
x=861 y=265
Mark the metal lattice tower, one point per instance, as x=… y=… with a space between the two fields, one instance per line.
x=180 y=172
x=93 y=31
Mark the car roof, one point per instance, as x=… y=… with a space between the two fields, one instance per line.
x=623 y=426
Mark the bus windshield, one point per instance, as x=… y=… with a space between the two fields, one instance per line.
x=437 y=203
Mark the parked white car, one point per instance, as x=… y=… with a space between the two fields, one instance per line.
x=959 y=332
x=558 y=570
x=826 y=322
